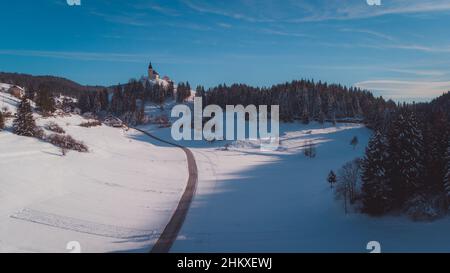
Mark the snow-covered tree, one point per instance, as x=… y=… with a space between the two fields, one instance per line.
x=332 y=109
x=331 y=178
x=24 y=123
x=376 y=188
x=406 y=157
x=447 y=174
x=2 y=121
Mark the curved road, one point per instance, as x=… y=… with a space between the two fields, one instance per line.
x=170 y=233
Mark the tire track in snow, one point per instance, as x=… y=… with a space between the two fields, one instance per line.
x=170 y=233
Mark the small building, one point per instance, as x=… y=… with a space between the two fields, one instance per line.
x=16 y=91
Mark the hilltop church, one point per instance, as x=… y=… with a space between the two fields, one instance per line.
x=154 y=78
x=152 y=74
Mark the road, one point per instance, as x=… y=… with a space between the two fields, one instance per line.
x=170 y=233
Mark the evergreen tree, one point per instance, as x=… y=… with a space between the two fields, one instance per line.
x=406 y=164
x=117 y=101
x=436 y=135
x=447 y=174
x=84 y=103
x=331 y=178
x=376 y=188
x=305 y=114
x=354 y=142
x=2 y=121
x=104 y=99
x=332 y=109
x=45 y=101
x=24 y=124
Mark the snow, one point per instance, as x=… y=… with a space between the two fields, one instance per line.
x=250 y=200
x=120 y=195
x=117 y=197
x=4 y=87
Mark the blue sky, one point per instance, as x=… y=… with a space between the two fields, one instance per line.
x=400 y=49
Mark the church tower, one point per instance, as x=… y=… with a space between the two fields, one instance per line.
x=150 y=71
x=152 y=74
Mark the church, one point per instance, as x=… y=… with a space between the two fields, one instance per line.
x=152 y=74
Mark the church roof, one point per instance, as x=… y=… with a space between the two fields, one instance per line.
x=150 y=66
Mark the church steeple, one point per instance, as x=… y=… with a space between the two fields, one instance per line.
x=152 y=74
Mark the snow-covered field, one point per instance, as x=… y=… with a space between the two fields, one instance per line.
x=120 y=195
x=117 y=197
x=254 y=201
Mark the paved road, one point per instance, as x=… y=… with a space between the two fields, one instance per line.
x=170 y=233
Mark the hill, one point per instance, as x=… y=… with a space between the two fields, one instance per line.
x=58 y=85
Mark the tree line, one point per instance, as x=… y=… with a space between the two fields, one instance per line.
x=305 y=100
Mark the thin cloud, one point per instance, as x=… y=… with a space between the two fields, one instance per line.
x=158 y=8
x=104 y=57
x=369 y=32
x=436 y=73
x=82 y=56
x=224 y=25
x=349 y=10
x=221 y=12
x=163 y=10
x=405 y=89
x=282 y=33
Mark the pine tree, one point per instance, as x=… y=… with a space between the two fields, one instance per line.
x=2 y=121
x=332 y=109
x=117 y=101
x=436 y=135
x=406 y=158
x=331 y=178
x=447 y=174
x=354 y=142
x=305 y=114
x=376 y=188
x=44 y=99
x=84 y=103
x=24 y=124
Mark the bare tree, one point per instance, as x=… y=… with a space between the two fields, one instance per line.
x=310 y=149
x=348 y=180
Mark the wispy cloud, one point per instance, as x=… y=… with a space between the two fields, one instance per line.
x=224 y=25
x=158 y=8
x=423 y=48
x=290 y=11
x=202 y=8
x=418 y=72
x=369 y=32
x=355 y=9
x=406 y=90
x=125 y=19
x=282 y=33
x=108 y=57
x=399 y=46
x=82 y=56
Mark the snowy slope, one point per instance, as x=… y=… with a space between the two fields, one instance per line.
x=120 y=195
x=117 y=197
x=253 y=201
